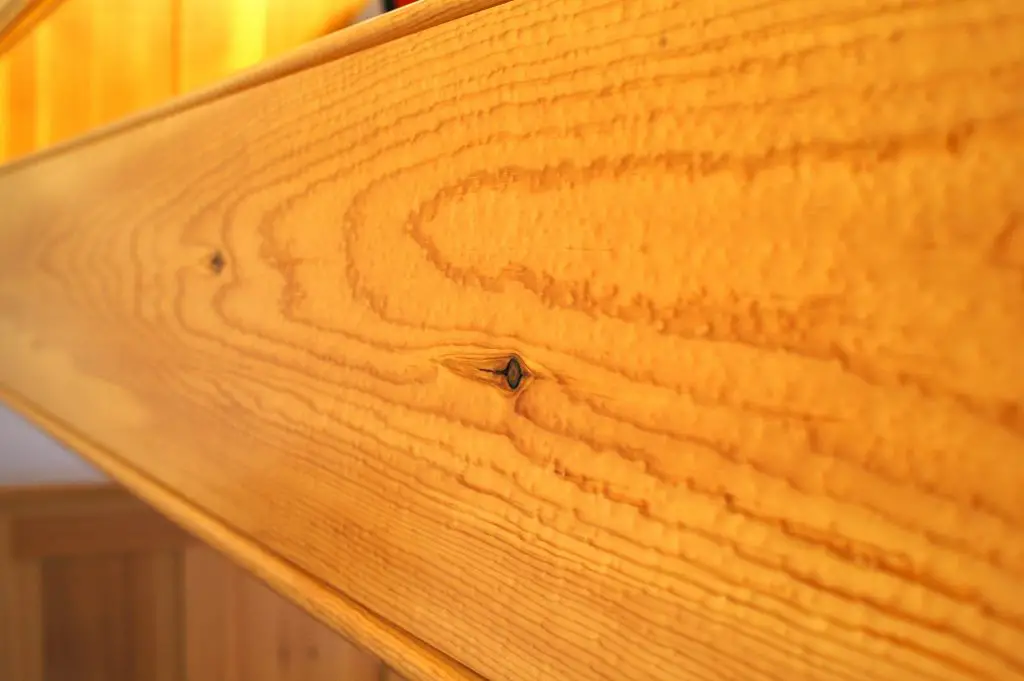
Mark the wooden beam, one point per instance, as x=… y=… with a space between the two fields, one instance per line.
x=19 y=17
x=644 y=340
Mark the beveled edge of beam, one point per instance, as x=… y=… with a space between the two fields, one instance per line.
x=385 y=28
x=19 y=17
x=400 y=650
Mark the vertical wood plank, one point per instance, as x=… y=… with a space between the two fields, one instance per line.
x=63 y=47
x=21 y=619
x=4 y=107
x=154 y=591
x=329 y=657
x=44 y=46
x=219 y=38
x=238 y=629
x=279 y=641
x=112 y=616
x=210 y=619
x=87 y=619
x=64 y=54
x=21 y=98
x=265 y=653
x=132 y=56
x=289 y=24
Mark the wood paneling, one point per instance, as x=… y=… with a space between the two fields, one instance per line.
x=219 y=38
x=29 y=501
x=38 y=536
x=223 y=37
x=287 y=28
x=761 y=264
x=108 y=607
x=133 y=52
x=20 y=112
x=63 y=104
x=88 y=62
x=155 y=592
x=84 y=63
x=21 y=626
x=5 y=90
x=240 y=630
x=110 y=617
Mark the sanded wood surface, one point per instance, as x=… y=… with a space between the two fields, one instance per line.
x=619 y=340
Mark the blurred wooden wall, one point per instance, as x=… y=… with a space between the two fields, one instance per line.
x=89 y=62
x=95 y=586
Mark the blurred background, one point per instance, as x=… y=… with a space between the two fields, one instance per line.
x=95 y=586
x=67 y=66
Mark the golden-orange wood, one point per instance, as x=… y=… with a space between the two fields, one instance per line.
x=763 y=265
x=69 y=66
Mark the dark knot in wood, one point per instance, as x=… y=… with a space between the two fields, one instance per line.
x=514 y=373
x=217 y=262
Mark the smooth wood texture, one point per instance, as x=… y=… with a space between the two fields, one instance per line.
x=763 y=264
x=240 y=630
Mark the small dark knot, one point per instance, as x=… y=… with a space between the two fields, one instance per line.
x=217 y=262
x=513 y=373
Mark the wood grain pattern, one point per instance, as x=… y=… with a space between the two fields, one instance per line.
x=762 y=263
